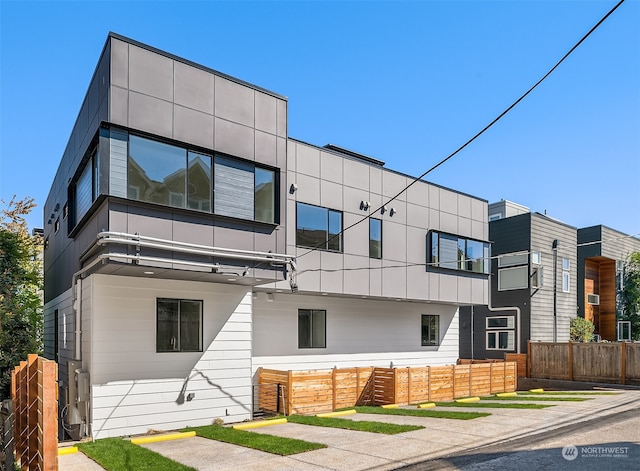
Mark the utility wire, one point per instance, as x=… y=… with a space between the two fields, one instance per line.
x=463 y=146
x=440 y=263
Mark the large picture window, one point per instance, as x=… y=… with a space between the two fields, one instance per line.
x=430 y=330
x=179 y=325
x=318 y=227
x=458 y=253
x=181 y=178
x=312 y=328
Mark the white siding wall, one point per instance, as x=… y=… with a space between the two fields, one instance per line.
x=360 y=332
x=135 y=389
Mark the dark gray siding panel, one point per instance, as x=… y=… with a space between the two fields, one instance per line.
x=118 y=163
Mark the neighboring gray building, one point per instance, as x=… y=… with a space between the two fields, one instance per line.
x=191 y=241
x=602 y=253
x=522 y=276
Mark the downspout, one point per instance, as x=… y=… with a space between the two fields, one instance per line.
x=507 y=308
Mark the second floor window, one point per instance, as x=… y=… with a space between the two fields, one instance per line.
x=458 y=253
x=375 y=238
x=174 y=176
x=318 y=227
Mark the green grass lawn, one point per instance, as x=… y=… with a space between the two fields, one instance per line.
x=258 y=441
x=494 y=405
x=359 y=425
x=116 y=454
x=421 y=413
x=536 y=398
x=568 y=393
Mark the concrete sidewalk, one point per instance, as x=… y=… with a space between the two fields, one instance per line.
x=353 y=451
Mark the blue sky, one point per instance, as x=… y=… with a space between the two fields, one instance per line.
x=404 y=82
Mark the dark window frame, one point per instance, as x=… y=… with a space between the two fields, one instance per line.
x=426 y=336
x=311 y=313
x=189 y=151
x=179 y=340
x=372 y=241
x=330 y=237
x=462 y=263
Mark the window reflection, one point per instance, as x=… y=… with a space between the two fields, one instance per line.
x=156 y=172
x=375 y=238
x=318 y=227
x=265 y=202
x=199 y=182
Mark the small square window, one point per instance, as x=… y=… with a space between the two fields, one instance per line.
x=536 y=258
x=178 y=325
x=430 y=330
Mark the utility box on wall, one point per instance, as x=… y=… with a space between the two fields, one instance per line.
x=78 y=395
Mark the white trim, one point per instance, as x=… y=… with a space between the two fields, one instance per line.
x=510 y=339
x=510 y=322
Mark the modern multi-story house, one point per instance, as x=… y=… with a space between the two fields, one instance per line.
x=190 y=241
x=602 y=253
x=533 y=284
x=551 y=272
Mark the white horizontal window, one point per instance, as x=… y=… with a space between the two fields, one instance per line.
x=511 y=260
x=500 y=322
x=513 y=278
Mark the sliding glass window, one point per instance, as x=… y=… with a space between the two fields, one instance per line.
x=170 y=175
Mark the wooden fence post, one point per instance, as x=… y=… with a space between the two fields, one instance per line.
x=333 y=386
x=623 y=363
x=289 y=393
x=528 y=358
x=409 y=385
x=428 y=383
x=504 y=376
x=395 y=385
x=453 y=381
x=570 y=361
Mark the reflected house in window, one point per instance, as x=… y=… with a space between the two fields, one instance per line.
x=202 y=243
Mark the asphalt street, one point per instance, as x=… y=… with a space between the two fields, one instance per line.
x=609 y=443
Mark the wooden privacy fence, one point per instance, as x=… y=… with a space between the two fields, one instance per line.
x=310 y=392
x=617 y=363
x=34 y=392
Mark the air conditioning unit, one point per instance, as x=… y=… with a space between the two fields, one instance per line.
x=593 y=299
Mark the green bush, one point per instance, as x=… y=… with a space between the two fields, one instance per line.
x=581 y=330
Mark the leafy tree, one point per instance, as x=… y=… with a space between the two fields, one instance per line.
x=581 y=330
x=20 y=289
x=631 y=294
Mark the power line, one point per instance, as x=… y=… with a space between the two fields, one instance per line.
x=439 y=263
x=478 y=134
